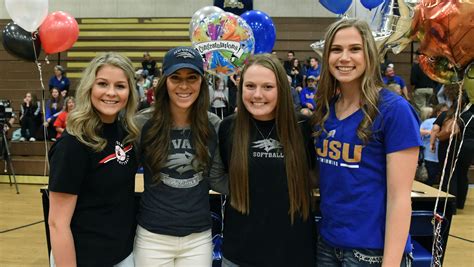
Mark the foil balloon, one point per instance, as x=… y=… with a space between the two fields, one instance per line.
x=225 y=41
x=438 y=69
x=468 y=82
x=445 y=30
x=318 y=47
x=201 y=15
x=394 y=32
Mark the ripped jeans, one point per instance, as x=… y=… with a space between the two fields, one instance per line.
x=328 y=256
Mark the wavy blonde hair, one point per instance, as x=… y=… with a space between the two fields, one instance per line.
x=84 y=121
x=370 y=85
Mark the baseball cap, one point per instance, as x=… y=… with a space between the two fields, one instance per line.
x=312 y=77
x=180 y=58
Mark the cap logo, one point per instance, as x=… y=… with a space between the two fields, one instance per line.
x=184 y=54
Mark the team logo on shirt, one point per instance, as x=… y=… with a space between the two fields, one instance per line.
x=180 y=162
x=337 y=153
x=270 y=146
x=120 y=154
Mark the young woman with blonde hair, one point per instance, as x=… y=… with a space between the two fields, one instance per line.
x=267 y=150
x=93 y=166
x=367 y=143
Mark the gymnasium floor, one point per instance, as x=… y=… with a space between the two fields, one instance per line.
x=23 y=239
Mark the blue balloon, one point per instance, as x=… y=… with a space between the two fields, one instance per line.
x=369 y=4
x=263 y=30
x=336 y=6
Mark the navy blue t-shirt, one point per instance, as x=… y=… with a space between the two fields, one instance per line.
x=353 y=182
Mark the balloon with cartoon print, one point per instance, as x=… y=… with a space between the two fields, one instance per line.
x=225 y=42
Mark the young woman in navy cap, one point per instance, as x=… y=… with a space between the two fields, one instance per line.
x=179 y=155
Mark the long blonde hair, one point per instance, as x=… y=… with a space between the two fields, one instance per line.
x=370 y=85
x=84 y=122
x=291 y=138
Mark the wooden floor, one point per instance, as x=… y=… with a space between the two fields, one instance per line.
x=26 y=246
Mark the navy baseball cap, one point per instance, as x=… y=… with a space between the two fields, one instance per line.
x=180 y=58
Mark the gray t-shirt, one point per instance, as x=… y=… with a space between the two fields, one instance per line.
x=179 y=204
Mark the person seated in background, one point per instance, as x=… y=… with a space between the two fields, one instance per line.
x=150 y=93
x=29 y=116
x=149 y=66
x=142 y=86
x=296 y=97
x=313 y=69
x=53 y=108
x=60 y=123
x=394 y=82
x=287 y=63
x=59 y=80
x=296 y=74
x=307 y=97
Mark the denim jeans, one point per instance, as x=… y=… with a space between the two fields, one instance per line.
x=328 y=256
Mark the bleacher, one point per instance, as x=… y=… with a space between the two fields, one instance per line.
x=132 y=37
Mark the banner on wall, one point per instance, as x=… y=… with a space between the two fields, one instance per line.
x=237 y=7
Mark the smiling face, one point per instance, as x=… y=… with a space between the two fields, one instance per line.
x=110 y=92
x=70 y=105
x=55 y=93
x=183 y=88
x=346 y=57
x=259 y=92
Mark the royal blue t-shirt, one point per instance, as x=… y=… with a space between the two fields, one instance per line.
x=353 y=183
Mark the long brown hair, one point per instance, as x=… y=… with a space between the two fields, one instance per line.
x=156 y=142
x=370 y=85
x=291 y=139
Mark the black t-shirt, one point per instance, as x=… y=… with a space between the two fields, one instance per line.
x=179 y=204
x=150 y=66
x=266 y=237
x=103 y=223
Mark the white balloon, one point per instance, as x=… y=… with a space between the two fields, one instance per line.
x=28 y=14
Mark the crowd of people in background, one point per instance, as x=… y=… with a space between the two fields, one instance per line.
x=352 y=106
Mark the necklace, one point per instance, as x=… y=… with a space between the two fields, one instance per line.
x=264 y=138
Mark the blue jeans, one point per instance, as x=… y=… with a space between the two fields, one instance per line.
x=328 y=256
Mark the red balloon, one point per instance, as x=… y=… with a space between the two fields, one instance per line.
x=58 y=32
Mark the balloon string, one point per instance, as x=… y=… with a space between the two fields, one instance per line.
x=456 y=115
x=43 y=108
x=436 y=249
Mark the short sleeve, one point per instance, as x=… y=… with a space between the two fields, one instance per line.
x=401 y=127
x=440 y=119
x=69 y=162
x=224 y=140
x=307 y=132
